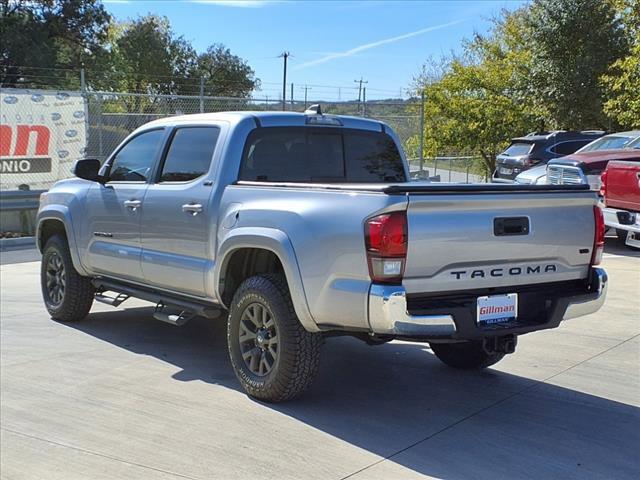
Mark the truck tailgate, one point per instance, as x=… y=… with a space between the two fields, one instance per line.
x=623 y=185
x=492 y=237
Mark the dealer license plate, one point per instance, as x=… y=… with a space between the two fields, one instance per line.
x=505 y=171
x=497 y=309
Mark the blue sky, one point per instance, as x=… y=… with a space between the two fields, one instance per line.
x=332 y=43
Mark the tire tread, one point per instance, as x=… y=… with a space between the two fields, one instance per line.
x=79 y=291
x=299 y=357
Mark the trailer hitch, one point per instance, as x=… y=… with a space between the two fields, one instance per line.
x=504 y=344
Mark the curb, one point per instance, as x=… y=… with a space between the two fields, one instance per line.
x=21 y=243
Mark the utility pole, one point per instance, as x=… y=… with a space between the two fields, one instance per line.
x=360 y=82
x=83 y=82
x=364 y=101
x=201 y=94
x=422 y=131
x=292 y=97
x=284 y=55
x=306 y=88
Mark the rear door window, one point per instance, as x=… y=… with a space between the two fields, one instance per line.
x=565 y=148
x=190 y=154
x=321 y=155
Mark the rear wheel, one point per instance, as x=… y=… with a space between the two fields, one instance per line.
x=465 y=355
x=273 y=356
x=622 y=235
x=67 y=294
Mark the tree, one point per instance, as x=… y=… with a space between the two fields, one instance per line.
x=38 y=35
x=224 y=74
x=480 y=100
x=168 y=65
x=621 y=83
x=146 y=57
x=573 y=43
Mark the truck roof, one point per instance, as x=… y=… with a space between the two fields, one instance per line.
x=270 y=119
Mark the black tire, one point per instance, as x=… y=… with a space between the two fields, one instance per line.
x=622 y=235
x=465 y=356
x=295 y=360
x=72 y=302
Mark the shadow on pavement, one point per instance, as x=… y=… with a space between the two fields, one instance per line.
x=387 y=398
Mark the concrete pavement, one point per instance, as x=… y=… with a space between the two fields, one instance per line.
x=123 y=396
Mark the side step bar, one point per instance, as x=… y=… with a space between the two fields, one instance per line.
x=113 y=301
x=189 y=308
x=180 y=319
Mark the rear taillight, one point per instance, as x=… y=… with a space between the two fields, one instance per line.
x=386 y=242
x=598 y=236
x=603 y=184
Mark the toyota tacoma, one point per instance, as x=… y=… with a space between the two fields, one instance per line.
x=294 y=227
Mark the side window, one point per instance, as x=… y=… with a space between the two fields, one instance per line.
x=190 y=154
x=134 y=161
x=565 y=148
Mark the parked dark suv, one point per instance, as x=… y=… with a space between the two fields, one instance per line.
x=536 y=148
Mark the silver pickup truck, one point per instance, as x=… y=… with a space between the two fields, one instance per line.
x=295 y=227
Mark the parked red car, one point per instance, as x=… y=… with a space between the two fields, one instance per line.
x=620 y=190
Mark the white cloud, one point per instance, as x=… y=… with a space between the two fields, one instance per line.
x=367 y=46
x=237 y=3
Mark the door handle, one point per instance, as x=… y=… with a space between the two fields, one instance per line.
x=192 y=208
x=133 y=204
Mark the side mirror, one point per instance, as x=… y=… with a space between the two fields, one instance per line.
x=87 y=169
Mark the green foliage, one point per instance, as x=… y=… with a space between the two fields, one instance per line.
x=224 y=74
x=572 y=44
x=622 y=82
x=568 y=64
x=45 y=43
x=145 y=57
x=622 y=90
x=46 y=34
x=480 y=101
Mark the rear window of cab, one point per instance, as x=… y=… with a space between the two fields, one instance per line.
x=321 y=155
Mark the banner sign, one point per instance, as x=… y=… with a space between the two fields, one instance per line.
x=41 y=134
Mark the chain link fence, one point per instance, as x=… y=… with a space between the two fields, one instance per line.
x=43 y=131
x=112 y=116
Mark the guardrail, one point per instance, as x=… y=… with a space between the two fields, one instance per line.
x=18 y=209
x=20 y=200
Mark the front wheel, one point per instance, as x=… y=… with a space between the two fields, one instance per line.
x=273 y=356
x=465 y=355
x=67 y=294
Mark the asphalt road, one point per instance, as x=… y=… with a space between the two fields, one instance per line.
x=121 y=396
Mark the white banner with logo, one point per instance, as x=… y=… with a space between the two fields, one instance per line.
x=42 y=133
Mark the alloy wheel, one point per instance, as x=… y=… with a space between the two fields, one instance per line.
x=258 y=339
x=56 y=279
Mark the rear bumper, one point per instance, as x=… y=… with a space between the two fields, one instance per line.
x=621 y=219
x=389 y=313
